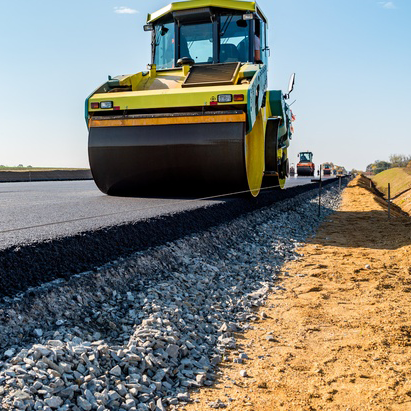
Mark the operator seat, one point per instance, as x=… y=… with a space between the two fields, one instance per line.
x=229 y=53
x=242 y=51
x=184 y=51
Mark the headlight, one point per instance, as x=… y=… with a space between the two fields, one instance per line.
x=106 y=104
x=225 y=98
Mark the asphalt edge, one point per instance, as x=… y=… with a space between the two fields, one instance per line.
x=23 y=267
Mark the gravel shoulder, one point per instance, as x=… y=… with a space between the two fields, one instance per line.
x=337 y=334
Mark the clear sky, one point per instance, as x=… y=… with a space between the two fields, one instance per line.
x=352 y=60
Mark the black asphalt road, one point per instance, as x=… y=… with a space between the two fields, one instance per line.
x=39 y=211
x=51 y=230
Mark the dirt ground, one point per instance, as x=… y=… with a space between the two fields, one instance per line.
x=404 y=201
x=338 y=337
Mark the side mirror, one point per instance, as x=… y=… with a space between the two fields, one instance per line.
x=290 y=86
x=291 y=83
x=148 y=27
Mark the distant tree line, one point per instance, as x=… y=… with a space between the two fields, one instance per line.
x=19 y=166
x=395 y=160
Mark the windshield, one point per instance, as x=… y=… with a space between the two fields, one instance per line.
x=305 y=157
x=196 y=42
x=164 y=46
x=234 y=39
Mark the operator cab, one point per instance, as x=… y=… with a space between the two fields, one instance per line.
x=306 y=157
x=208 y=36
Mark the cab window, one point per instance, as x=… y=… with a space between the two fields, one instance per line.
x=164 y=46
x=264 y=49
x=234 y=39
x=196 y=42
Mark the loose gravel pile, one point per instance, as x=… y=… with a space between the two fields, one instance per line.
x=138 y=333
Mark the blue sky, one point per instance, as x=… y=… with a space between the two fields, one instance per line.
x=352 y=59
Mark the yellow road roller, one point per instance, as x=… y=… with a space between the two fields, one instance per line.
x=199 y=120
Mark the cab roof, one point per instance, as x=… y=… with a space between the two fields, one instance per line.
x=196 y=4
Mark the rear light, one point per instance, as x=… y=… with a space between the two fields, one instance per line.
x=95 y=105
x=106 y=104
x=213 y=103
x=238 y=97
x=116 y=108
x=225 y=98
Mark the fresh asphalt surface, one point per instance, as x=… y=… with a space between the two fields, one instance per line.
x=54 y=230
x=39 y=211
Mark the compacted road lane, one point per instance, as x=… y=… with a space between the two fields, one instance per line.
x=32 y=212
x=39 y=211
x=52 y=230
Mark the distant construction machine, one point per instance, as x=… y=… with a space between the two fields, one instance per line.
x=327 y=169
x=341 y=171
x=199 y=120
x=306 y=167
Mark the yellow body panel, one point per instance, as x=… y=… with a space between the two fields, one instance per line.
x=161 y=121
x=132 y=80
x=254 y=153
x=160 y=82
x=174 y=78
x=177 y=97
x=196 y=4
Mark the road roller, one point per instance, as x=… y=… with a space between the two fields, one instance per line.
x=326 y=169
x=306 y=167
x=200 y=119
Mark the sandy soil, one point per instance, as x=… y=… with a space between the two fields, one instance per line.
x=400 y=179
x=338 y=337
x=404 y=201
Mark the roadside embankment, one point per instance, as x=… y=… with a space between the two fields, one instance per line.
x=337 y=335
x=400 y=181
x=44 y=175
